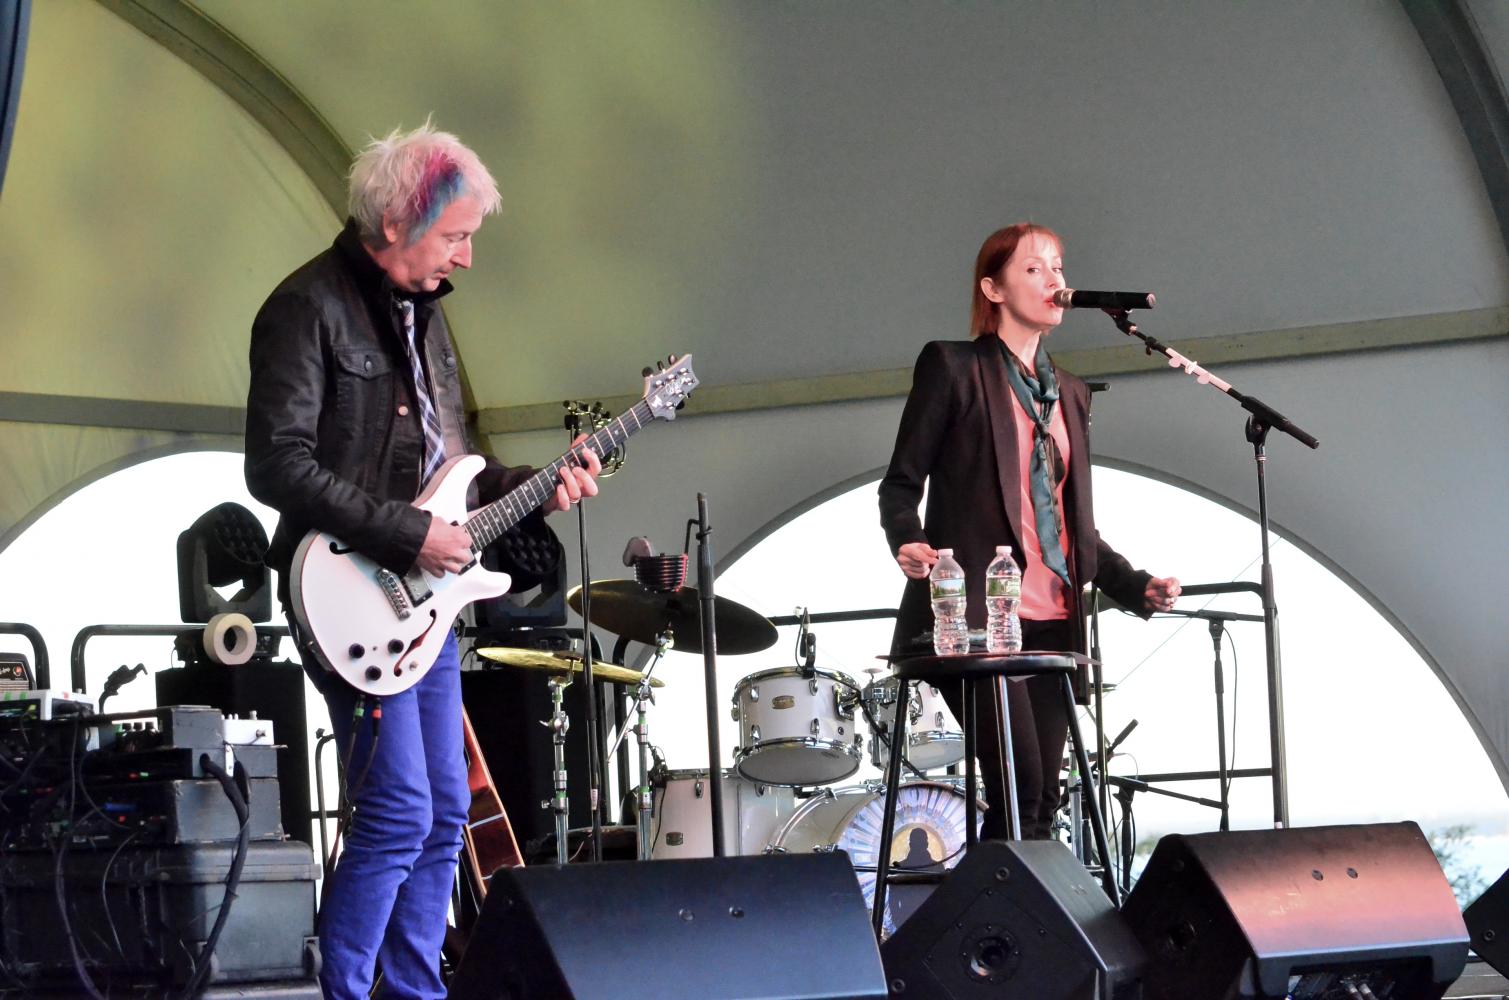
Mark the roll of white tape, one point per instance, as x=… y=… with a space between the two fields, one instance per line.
x=230 y=639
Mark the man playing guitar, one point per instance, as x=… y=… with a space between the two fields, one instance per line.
x=354 y=404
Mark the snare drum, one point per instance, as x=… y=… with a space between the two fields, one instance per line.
x=682 y=826
x=933 y=736
x=929 y=833
x=796 y=729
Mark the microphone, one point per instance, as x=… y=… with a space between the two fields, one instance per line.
x=1121 y=736
x=1074 y=298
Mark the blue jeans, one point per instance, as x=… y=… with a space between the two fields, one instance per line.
x=387 y=898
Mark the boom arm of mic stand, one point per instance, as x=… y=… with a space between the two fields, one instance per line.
x=1260 y=410
x=1262 y=418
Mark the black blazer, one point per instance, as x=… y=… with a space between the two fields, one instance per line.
x=958 y=435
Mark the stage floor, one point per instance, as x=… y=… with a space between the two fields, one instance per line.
x=1479 y=982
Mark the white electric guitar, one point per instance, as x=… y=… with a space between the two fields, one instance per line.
x=382 y=631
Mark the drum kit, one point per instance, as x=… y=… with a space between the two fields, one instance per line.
x=802 y=731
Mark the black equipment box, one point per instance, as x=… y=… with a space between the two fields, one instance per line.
x=143 y=914
x=189 y=812
x=262 y=689
x=153 y=813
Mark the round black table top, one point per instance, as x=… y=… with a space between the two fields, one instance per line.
x=960 y=666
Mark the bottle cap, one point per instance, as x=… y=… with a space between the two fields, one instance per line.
x=1003 y=550
x=945 y=552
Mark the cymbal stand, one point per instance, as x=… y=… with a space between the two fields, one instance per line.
x=645 y=795
x=559 y=724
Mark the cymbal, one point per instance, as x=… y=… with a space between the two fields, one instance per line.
x=625 y=608
x=562 y=663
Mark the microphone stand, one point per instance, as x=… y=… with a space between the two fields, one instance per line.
x=594 y=743
x=1217 y=621
x=1261 y=419
x=710 y=670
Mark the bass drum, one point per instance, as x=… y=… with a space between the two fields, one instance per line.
x=682 y=826
x=929 y=835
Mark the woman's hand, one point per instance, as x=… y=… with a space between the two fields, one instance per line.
x=916 y=559
x=1161 y=593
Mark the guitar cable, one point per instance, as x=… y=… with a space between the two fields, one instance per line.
x=350 y=788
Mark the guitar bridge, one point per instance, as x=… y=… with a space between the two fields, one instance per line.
x=393 y=589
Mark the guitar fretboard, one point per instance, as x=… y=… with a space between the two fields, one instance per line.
x=487 y=523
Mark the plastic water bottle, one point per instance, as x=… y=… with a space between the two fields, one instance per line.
x=1003 y=597
x=946 y=584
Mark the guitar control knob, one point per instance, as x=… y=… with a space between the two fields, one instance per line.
x=356 y=650
x=395 y=646
x=374 y=674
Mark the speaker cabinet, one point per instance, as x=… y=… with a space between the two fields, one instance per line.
x=1329 y=913
x=1016 y=920
x=778 y=927
x=1488 y=923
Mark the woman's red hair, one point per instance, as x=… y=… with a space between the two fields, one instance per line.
x=994 y=253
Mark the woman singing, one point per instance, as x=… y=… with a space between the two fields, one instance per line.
x=1000 y=436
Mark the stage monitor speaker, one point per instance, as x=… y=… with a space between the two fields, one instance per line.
x=1488 y=924
x=1016 y=920
x=1320 y=913
x=776 y=927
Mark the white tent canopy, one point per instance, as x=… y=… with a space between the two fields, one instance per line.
x=1318 y=193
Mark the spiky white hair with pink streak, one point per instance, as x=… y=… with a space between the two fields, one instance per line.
x=413 y=176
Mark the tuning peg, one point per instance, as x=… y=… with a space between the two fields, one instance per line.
x=648 y=371
x=660 y=366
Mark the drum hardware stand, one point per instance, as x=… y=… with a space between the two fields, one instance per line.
x=645 y=796
x=559 y=724
x=1261 y=419
x=1075 y=789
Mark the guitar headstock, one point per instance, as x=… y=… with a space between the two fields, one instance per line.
x=668 y=385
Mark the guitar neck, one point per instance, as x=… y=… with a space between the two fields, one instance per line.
x=487 y=523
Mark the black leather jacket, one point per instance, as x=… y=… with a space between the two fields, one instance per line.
x=333 y=439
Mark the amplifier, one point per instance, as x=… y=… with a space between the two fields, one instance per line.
x=15 y=672
x=24 y=704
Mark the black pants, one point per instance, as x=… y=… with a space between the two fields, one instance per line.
x=1039 y=731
